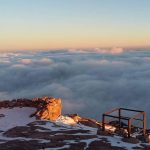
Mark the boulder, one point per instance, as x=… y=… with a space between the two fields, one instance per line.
x=75 y=117
x=2 y=115
x=103 y=133
x=49 y=109
x=131 y=140
x=17 y=103
x=89 y=122
x=147 y=138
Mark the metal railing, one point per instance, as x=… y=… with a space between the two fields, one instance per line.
x=120 y=117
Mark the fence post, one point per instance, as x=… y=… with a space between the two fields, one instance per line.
x=103 y=122
x=144 y=123
x=129 y=128
x=119 y=118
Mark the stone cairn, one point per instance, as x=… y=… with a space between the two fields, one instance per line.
x=48 y=108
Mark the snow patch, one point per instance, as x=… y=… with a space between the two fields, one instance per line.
x=15 y=117
x=66 y=120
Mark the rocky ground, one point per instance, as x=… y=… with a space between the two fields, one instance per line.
x=18 y=131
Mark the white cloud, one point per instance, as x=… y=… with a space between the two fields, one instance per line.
x=4 y=61
x=72 y=106
x=26 y=61
x=18 y=66
x=4 y=96
x=89 y=83
x=114 y=50
x=45 y=61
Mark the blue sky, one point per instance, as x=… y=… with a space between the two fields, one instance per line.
x=32 y=24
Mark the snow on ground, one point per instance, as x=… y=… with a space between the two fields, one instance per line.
x=88 y=142
x=15 y=117
x=62 y=124
x=110 y=128
x=20 y=117
x=49 y=125
x=65 y=120
x=116 y=141
x=60 y=148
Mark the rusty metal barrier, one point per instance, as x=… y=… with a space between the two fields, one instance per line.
x=129 y=120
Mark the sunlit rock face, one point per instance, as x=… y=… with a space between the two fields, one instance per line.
x=49 y=108
x=148 y=138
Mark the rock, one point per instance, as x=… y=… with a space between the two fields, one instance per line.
x=147 y=138
x=17 y=144
x=89 y=122
x=66 y=120
x=122 y=132
x=17 y=103
x=131 y=140
x=100 y=145
x=115 y=123
x=4 y=104
x=2 y=115
x=103 y=133
x=49 y=108
x=110 y=128
x=75 y=117
x=146 y=146
x=85 y=121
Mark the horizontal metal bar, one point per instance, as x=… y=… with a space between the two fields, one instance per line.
x=138 y=127
x=124 y=118
x=138 y=119
x=131 y=110
x=116 y=109
x=137 y=115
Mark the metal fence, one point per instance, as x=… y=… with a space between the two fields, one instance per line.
x=140 y=116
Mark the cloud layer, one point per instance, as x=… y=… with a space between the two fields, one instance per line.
x=89 y=82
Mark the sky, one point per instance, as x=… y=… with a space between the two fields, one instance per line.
x=59 y=24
